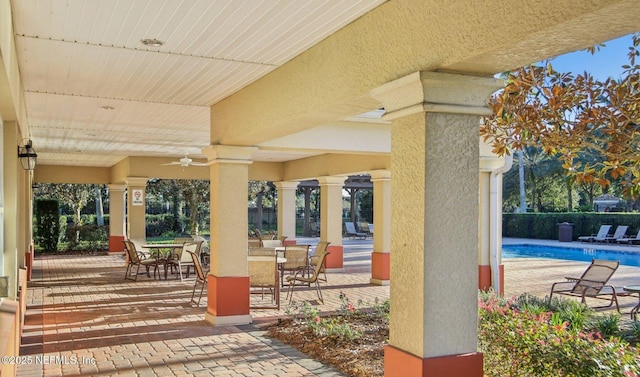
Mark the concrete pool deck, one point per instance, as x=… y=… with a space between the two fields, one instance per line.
x=535 y=275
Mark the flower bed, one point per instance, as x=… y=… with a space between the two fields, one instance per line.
x=519 y=337
x=522 y=339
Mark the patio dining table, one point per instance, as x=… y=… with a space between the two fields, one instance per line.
x=156 y=252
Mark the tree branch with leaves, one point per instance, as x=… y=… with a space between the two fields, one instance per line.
x=593 y=126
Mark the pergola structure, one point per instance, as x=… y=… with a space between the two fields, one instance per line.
x=109 y=91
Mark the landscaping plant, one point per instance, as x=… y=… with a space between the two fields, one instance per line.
x=517 y=342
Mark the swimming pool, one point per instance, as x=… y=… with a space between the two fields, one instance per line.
x=585 y=254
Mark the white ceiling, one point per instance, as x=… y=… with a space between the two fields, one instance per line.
x=95 y=94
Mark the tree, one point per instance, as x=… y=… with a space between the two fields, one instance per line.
x=76 y=196
x=192 y=193
x=196 y=196
x=574 y=117
x=259 y=195
x=166 y=191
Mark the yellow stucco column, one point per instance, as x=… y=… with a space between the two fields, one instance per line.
x=27 y=243
x=116 y=217
x=331 y=219
x=10 y=206
x=136 y=189
x=490 y=267
x=434 y=159
x=228 y=280
x=380 y=258
x=287 y=210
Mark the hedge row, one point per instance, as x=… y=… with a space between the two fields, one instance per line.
x=545 y=225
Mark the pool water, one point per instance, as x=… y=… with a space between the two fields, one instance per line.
x=585 y=254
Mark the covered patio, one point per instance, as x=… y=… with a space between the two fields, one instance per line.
x=81 y=307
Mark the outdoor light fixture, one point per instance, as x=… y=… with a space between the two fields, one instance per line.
x=27 y=155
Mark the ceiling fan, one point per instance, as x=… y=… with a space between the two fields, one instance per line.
x=186 y=161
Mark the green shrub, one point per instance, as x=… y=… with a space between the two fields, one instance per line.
x=47 y=227
x=159 y=225
x=522 y=343
x=632 y=334
x=607 y=325
x=545 y=225
x=86 y=237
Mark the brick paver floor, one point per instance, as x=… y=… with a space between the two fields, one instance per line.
x=84 y=319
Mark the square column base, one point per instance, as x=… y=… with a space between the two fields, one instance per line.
x=228 y=296
x=380 y=268
x=484 y=278
x=231 y=320
x=115 y=244
x=402 y=364
x=335 y=260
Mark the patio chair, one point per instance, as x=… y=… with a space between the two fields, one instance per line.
x=630 y=240
x=602 y=234
x=137 y=259
x=297 y=260
x=271 y=243
x=313 y=271
x=363 y=227
x=321 y=247
x=205 y=252
x=351 y=231
x=621 y=232
x=261 y=252
x=254 y=242
x=138 y=242
x=592 y=283
x=263 y=274
x=182 y=258
x=201 y=277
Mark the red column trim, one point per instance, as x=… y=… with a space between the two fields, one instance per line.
x=485 y=279
x=398 y=363
x=227 y=295
x=380 y=266
x=336 y=257
x=115 y=244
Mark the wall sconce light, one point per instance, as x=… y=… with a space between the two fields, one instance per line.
x=27 y=155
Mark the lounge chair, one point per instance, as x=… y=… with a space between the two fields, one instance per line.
x=592 y=283
x=364 y=228
x=602 y=235
x=621 y=232
x=630 y=240
x=351 y=231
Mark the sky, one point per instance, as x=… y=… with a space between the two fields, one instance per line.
x=603 y=64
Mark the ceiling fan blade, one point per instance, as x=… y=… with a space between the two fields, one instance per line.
x=199 y=164
x=171 y=163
